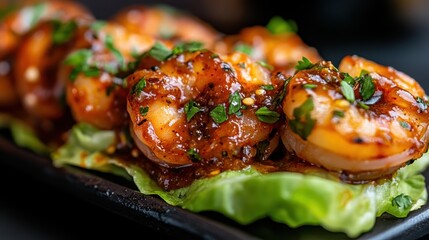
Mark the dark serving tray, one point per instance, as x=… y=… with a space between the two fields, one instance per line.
x=121 y=197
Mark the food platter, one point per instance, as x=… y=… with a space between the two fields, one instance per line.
x=121 y=197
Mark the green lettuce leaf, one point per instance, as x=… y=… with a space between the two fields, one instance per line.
x=247 y=195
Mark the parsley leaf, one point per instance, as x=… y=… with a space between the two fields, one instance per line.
x=266 y=65
x=244 y=48
x=267 y=87
x=187 y=47
x=79 y=60
x=194 y=155
x=367 y=87
x=309 y=86
x=96 y=26
x=304 y=64
x=349 y=79
x=138 y=88
x=347 y=91
x=218 y=114
x=266 y=115
x=191 y=108
x=234 y=103
x=423 y=105
x=108 y=42
x=303 y=124
x=278 y=25
x=338 y=113
x=143 y=110
x=63 y=32
x=159 y=51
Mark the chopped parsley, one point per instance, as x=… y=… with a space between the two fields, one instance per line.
x=402 y=201
x=367 y=87
x=187 y=47
x=79 y=60
x=63 y=31
x=96 y=26
x=244 y=48
x=143 y=110
x=338 y=113
x=304 y=64
x=405 y=125
x=347 y=91
x=422 y=103
x=349 y=79
x=278 y=25
x=234 y=103
x=267 y=87
x=194 y=155
x=159 y=51
x=309 y=86
x=303 y=124
x=108 y=42
x=266 y=115
x=218 y=114
x=191 y=108
x=138 y=88
x=266 y=65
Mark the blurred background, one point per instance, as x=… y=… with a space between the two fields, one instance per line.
x=390 y=32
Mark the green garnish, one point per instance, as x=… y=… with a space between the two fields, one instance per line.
x=138 y=88
x=244 y=48
x=234 y=103
x=218 y=114
x=96 y=26
x=267 y=87
x=79 y=60
x=304 y=64
x=191 y=108
x=63 y=31
x=108 y=42
x=347 y=91
x=363 y=105
x=303 y=124
x=194 y=155
x=187 y=47
x=159 y=51
x=402 y=201
x=338 y=113
x=266 y=115
x=143 y=110
x=367 y=87
x=349 y=79
x=405 y=125
x=266 y=65
x=309 y=86
x=278 y=25
x=422 y=103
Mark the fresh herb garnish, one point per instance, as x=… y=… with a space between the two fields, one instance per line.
x=402 y=201
x=367 y=87
x=138 y=88
x=191 y=108
x=303 y=124
x=96 y=26
x=347 y=91
x=194 y=155
x=234 y=103
x=244 y=48
x=266 y=115
x=266 y=65
x=304 y=64
x=363 y=105
x=421 y=103
x=79 y=60
x=338 y=113
x=309 y=86
x=278 y=25
x=405 y=125
x=143 y=110
x=218 y=114
x=63 y=31
x=349 y=79
x=267 y=87
x=108 y=42
x=187 y=47
x=159 y=51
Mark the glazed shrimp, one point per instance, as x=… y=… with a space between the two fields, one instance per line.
x=94 y=74
x=199 y=108
x=31 y=55
x=369 y=123
x=166 y=23
x=281 y=51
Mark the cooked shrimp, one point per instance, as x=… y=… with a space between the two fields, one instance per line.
x=94 y=74
x=199 y=108
x=31 y=61
x=166 y=23
x=281 y=50
x=373 y=122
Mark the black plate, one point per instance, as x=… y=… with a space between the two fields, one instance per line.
x=121 y=197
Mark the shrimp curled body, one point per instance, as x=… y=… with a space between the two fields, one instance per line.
x=375 y=123
x=186 y=110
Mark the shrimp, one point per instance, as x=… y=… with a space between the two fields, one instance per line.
x=165 y=22
x=281 y=51
x=94 y=74
x=20 y=27
x=374 y=122
x=201 y=108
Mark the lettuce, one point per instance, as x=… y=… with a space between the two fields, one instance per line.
x=247 y=195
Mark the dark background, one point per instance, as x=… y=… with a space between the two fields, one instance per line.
x=394 y=33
